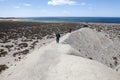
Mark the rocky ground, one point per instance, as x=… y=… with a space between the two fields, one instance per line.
x=112 y=29
x=17 y=39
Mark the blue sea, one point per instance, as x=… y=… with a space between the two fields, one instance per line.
x=74 y=19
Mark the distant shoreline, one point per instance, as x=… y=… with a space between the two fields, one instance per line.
x=85 y=20
x=23 y=20
x=11 y=19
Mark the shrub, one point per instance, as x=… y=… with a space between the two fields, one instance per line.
x=22 y=45
x=8 y=46
x=3 y=67
x=1 y=50
x=3 y=53
x=24 y=52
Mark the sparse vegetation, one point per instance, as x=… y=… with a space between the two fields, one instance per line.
x=3 y=67
x=33 y=44
x=114 y=58
x=1 y=50
x=24 y=52
x=3 y=53
x=91 y=58
x=112 y=29
x=8 y=46
x=32 y=30
x=23 y=45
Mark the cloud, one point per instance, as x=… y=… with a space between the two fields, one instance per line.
x=27 y=4
x=20 y=5
x=62 y=2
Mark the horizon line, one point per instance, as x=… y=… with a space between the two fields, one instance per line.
x=63 y=16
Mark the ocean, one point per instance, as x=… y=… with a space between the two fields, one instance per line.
x=74 y=19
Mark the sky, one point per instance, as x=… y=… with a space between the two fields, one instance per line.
x=59 y=8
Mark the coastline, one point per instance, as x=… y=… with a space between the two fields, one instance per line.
x=2 y=20
x=37 y=21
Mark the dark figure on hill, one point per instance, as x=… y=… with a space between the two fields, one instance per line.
x=70 y=30
x=85 y=26
x=57 y=37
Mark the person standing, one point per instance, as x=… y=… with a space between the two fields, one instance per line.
x=70 y=30
x=57 y=37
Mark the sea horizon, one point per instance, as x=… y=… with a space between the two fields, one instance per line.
x=68 y=19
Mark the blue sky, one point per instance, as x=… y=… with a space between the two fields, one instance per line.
x=43 y=8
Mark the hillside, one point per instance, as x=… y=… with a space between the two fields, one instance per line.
x=68 y=59
x=96 y=46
